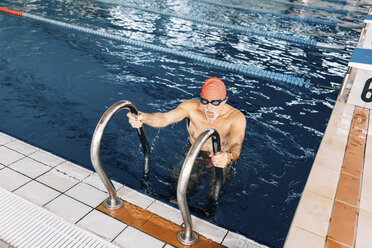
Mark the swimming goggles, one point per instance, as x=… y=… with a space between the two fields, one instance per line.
x=213 y=102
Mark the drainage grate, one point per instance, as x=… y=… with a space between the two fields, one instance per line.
x=23 y=224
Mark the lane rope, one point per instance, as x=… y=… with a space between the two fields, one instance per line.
x=288 y=38
x=305 y=6
x=248 y=70
x=283 y=16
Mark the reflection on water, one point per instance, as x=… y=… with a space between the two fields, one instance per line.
x=55 y=85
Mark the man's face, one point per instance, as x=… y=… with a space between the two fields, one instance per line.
x=212 y=108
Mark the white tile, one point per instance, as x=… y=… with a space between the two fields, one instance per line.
x=87 y=194
x=96 y=181
x=1 y=166
x=298 y=237
x=364 y=230
x=133 y=238
x=102 y=225
x=37 y=193
x=135 y=197
x=313 y=213
x=322 y=181
x=4 y=139
x=68 y=208
x=57 y=180
x=74 y=170
x=234 y=240
x=11 y=180
x=166 y=211
x=366 y=192
x=29 y=167
x=8 y=156
x=208 y=230
x=21 y=147
x=46 y=158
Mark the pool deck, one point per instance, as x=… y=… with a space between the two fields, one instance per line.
x=335 y=209
x=48 y=182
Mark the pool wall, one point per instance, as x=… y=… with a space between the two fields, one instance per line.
x=335 y=209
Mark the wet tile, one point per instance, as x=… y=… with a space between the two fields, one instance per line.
x=167 y=232
x=166 y=211
x=313 y=213
x=68 y=208
x=129 y=214
x=57 y=180
x=21 y=147
x=46 y=158
x=333 y=244
x=363 y=236
x=73 y=170
x=133 y=238
x=343 y=223
x=37 y=193
x=102 y=225
x=4 y=139
x=135 y=197
x=29 y=167
x=208 y=230
x=95 y=181
x=235 y=240
x=87 y=194
x=353 y=163
x=298 y=237
x=11 y=180
x=8 y=156
x=323 y=181
x=348 y=189
x=162 y=229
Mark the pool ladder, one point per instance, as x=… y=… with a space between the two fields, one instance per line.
x=186 y=236
x=113 y=202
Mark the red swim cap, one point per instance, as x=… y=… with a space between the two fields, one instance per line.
x=213 y=89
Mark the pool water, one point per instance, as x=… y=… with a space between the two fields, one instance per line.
x=55 y=85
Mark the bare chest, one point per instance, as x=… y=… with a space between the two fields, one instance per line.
x=198 y=125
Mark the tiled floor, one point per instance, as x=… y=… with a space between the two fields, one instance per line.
x=76 y=194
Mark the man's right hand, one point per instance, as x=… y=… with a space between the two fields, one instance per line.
x=135 y=120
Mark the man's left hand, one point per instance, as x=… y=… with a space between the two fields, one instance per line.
x=221 y=159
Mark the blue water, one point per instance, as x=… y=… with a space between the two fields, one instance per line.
x=55 y=85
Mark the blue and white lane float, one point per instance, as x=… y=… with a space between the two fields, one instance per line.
x=284 y=16
x=307 y=6
x=288 y=38
x=250 y=71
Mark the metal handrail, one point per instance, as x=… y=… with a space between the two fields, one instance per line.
x=187 y=236
x=113 y=202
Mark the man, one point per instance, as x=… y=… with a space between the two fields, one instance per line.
x=211 y=111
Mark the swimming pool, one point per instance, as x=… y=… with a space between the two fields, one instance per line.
x=55 y=85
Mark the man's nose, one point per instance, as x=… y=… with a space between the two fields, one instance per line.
x=209 y=106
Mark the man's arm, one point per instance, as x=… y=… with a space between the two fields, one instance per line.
x=237 y=133
x=158 y=120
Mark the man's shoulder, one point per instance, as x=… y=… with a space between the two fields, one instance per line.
x=189 y=104
x=235 y=112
